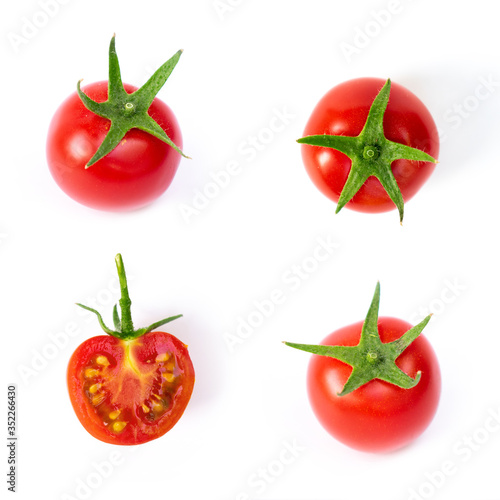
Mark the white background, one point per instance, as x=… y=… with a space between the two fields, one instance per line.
x=242 y=65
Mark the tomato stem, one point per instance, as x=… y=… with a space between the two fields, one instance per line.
x=127 y=326
x=124 y=327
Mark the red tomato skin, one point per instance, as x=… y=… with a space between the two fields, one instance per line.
x=131 y=176
x=137 y=431
x=377 y=417
x=343 y=111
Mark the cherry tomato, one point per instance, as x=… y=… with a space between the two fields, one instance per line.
x=130 y=392
x=374 y=385
x=112 y=146
x=133 y=175
x=379 y=416
x=131 y=385
x=343 y=111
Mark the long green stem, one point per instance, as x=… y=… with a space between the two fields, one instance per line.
x=127 y=326
x=124 y=327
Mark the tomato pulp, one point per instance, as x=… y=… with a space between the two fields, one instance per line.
x=129 y=392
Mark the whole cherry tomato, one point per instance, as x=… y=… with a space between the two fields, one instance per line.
x=370 y=145
x=112 y=146
x=374 y=385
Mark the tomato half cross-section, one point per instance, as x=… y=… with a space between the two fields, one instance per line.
x=132 y=385
x=374 y=385
x=115 y=147
x=370 y=145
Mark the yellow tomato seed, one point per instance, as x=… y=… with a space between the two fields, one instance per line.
x=114 y=414
x=91 y=373
x=169 y=377
x=102 y=360
x=119 y=426
x=94 y=388
x=162 y=357
x=98 y=399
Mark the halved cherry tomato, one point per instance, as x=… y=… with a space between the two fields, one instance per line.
x=130 y=386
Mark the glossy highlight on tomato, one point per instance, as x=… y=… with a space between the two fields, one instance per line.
x=343 y=111
x=130 y=392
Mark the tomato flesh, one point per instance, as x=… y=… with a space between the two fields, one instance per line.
x=131 y=176
x=378 y=416
x=130 y=392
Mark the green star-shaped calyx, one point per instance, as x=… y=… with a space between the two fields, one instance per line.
x=371 y=358
x=128 y=111
x=371 y=153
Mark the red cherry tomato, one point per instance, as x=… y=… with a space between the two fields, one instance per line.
x=131 y=176
x=378 y=416
x=343 y=111
x=131 y=385
x=130 y=392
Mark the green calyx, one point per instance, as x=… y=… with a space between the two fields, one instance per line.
x=371 y=359
x=124 y=327
x=128 y=111
x=371 y=153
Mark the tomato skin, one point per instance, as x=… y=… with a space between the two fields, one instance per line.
x=132 y=378
x=378 y=416
x=131 y=176
x=343 y=111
